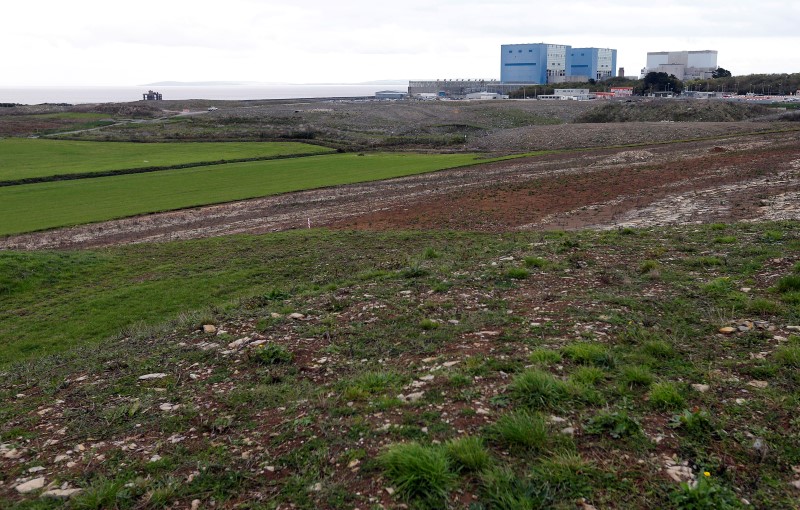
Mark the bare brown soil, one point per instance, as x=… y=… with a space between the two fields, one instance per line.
x=747 y=177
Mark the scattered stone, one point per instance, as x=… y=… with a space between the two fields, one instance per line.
x=353 y=463
x=30 y=485
x=316 y=487
x=745 y=289
x=389 y=491
x=727 y=330
x=741 y=401
x=483 y=412
x=758 y=384
x=796 y=484
x=146 y=377
x=414 y=397
x=793 y=328
x=155 y=458
x=169 y=407
x=275 y=315
x=702 y=388
x=238 y=344
x=195 y=504
x=428 y=360
x=271 y=469
x=12 y=454
x=557 y=419
x=61 y=493
x=297 y=316
x=569 y=431
x=488 y=333
x=35 y=469
x=745 y=326
x=61 y=458
x=680 y=473
x=427 y=378
x=760 y=447
x=209 y=328
x=450 y=364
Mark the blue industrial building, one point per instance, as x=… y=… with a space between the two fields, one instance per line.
x=534 y=63
x=593 y=63
x=555 y=63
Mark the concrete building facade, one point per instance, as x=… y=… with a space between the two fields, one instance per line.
x=459 y=88
x=684 y=65
x=592 y=63
x=534 y=63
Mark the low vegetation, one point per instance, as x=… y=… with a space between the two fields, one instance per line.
x=349 y=369
x=26 y=159
x=40 y=206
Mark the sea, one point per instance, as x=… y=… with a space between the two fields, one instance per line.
x=97 y=94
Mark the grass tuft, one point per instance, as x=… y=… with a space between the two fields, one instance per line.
x=521 y=429
x=666 y=395
x=589 y=354
x=788 y=356
x=636 y=376
x=421 y=474
x=544 y=356
x=617 y=424
x=538 y=389
x=271 y=354
x=518 y=273
x=468 y=454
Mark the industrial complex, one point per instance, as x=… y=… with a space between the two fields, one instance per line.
x=528 y=64
x=523 y=65
x=555 y=63
x=684 y=65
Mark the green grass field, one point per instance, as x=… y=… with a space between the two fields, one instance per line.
x=40 y=206
x=26 y=158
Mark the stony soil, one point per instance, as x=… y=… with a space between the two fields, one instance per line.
x=746 y=177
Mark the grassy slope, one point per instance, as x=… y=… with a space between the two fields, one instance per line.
x=25 y=158
x=612 y=327
x=41 y=206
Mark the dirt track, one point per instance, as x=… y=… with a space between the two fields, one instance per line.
x=739 y=178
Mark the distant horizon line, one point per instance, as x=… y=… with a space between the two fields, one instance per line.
x=170 y=83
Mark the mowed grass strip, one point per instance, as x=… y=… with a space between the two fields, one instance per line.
x=26 y=158
x=41 y=206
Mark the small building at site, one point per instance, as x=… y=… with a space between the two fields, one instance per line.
x=390 y=94
x=152 y=95
x=581 y=94
x=486 y=95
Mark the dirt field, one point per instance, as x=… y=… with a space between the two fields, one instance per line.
x=746 y=177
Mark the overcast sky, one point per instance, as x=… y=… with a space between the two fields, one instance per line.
x=104 y=42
